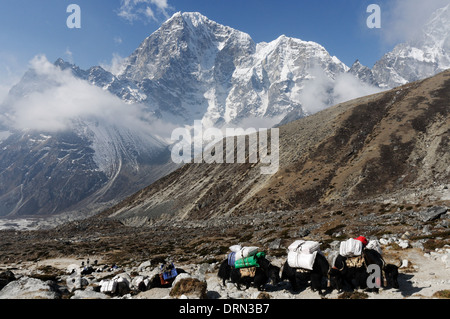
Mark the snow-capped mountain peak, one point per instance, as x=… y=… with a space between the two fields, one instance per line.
x=193 y=68
x=426 y=55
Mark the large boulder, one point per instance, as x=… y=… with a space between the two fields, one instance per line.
x=188 y=287
x=432 y=213
x=30 y=288
x=75 y=282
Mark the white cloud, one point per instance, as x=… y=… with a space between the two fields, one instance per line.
x=69 y=55
x=321 y=92
x=10 y=73
x=133 y=10
x=118 y=40
x=315 y=95
x=403 y=19
x=162 y=5
x=149 y=13
x=71 y=100
x=116 y=65
x=347 y=87
x=4 y=89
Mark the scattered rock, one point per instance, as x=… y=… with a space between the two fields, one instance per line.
x=405 y=263
x=432 y=213
x=426 y=230
x=403 y=243
x=30 y=288
x=190 y=288
x=145 y=266
x=303 y=232
x=89 y=294
x=275 y=244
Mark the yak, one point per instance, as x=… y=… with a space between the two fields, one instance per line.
x=265 y=272
x=391 y=275
x=224 y=271
x=316 y=275
x=343 y=277
x=348 y=278
x=389 y=271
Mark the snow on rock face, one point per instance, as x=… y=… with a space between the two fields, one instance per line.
x=203 y=70
x=191 y=68
x=425 y=56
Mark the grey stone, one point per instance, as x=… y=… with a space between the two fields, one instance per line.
x=432 y=213
x=302 y=232
x=275 y=244
x=75 y=282
x=30 y=288
x=88 y=294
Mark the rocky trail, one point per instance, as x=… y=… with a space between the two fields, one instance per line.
x=58 y=267
x=426 y=275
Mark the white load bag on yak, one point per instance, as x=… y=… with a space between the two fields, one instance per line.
x=351 y=248
x=111 y=285
x=108 y=286
x=302 y=254
x=302 y=246
x=246 y=252
x=301 y=260
x=375 y=245
x=235 y=248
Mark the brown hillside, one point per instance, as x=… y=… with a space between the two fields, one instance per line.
x=392 y=146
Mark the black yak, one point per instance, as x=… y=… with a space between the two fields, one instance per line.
x=317 y=275
x=265 y=272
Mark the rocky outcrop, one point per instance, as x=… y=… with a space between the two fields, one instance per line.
x=30 y=288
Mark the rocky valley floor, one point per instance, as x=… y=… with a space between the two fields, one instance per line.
x=417 y=235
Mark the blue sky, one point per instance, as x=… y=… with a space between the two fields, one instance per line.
x=116 y=27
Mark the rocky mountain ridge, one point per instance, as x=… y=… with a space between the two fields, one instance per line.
x=191 y=68
x=388 y=146
x=424 y=56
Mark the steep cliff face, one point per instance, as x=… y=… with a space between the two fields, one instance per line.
x=193 y=68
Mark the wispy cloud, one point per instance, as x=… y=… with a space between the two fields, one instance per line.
x=321 y=92
x=116 y=65
x=69 y=55
x=118 y=40
x=145 y=10
x=404 y=19
x=69 y=100
x=11 y=71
